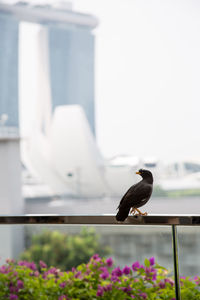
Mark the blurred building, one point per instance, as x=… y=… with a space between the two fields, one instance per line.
x=71 y=56
x=9 y=68
x=71 y=53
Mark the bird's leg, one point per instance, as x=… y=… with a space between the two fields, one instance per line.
x=132 y=211
x=140 y=213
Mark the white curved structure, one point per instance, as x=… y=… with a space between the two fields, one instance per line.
x=75 y=156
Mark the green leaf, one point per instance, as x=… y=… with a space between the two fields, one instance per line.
x=146 y=263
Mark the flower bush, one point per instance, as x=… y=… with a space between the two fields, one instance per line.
x=64 y=250
x=97 y=279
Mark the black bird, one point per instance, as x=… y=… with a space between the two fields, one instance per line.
x=137 y=196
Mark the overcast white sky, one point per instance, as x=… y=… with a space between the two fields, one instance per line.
x=147 y=76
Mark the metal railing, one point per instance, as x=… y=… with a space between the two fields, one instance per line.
x=159 y=220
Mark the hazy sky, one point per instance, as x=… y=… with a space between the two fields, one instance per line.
x=147 y=76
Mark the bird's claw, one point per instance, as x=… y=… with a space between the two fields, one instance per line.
x=133 y=211
x=139 y=213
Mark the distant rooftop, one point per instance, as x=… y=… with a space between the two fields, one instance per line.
x=44 y=13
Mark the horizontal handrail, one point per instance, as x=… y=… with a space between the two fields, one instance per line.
x=160 y=220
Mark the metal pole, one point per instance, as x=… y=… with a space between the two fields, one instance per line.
x=176 y=268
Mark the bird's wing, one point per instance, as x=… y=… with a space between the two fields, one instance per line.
x=136 y=194
x=130 y=191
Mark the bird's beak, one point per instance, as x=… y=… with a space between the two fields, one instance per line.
x=138 y=173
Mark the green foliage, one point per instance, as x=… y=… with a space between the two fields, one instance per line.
x=63 y=250
x=159 y=192
x=95 y=280
x=184 y=193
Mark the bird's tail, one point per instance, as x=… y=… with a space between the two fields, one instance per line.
x=122 y=214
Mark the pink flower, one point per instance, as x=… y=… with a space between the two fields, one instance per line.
x=20 y=284
x=103 y=269
x=161 y=284
x=13 y=297
x=135 y=265
x=42 y=265
x=78 y=274
x=62 y=284
x=36 y=273
x=13 y=289
x=114 y=278
x=117 y=272
x=170 y=281
x=152 y=261
x=126 y=270
x=10 y=261
x=95 y=256
x=100 y=291
x=62 y=297
x=104 y=275
x=126 y=289
x=4 y=269
x=143 y=295
x=109 y=262
x=107 y=287
x=154 y=276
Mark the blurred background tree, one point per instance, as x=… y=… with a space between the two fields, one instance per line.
x=63 y=250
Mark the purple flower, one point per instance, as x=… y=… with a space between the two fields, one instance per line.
x=148 y=270
x=135 y=265
x=126 y=270
x=13 y=297
x=142 y=267
x=126 y=289
x=77 y=275
x=13 y=289
x=161 y=284
x=30 y=265
x=62 y=297
x=109 y=262
x=95 y=256
x=114 y=278
x=107 y=287
x=152 y=261
x=42 y=265
x=62 y=284
x=36 y=273
x=10 y=261
x=143 y=295
x=170 y=281
x=20 y=284
x=104 y=275
x=4 y=269
x=154 y=276
x=117 y=272
x=103 y=269
x=100 y=291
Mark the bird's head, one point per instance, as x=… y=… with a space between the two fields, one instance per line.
x=146 y=174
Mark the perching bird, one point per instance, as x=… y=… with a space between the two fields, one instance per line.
x=137 y=196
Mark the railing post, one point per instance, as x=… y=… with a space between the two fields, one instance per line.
x=176 y=267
